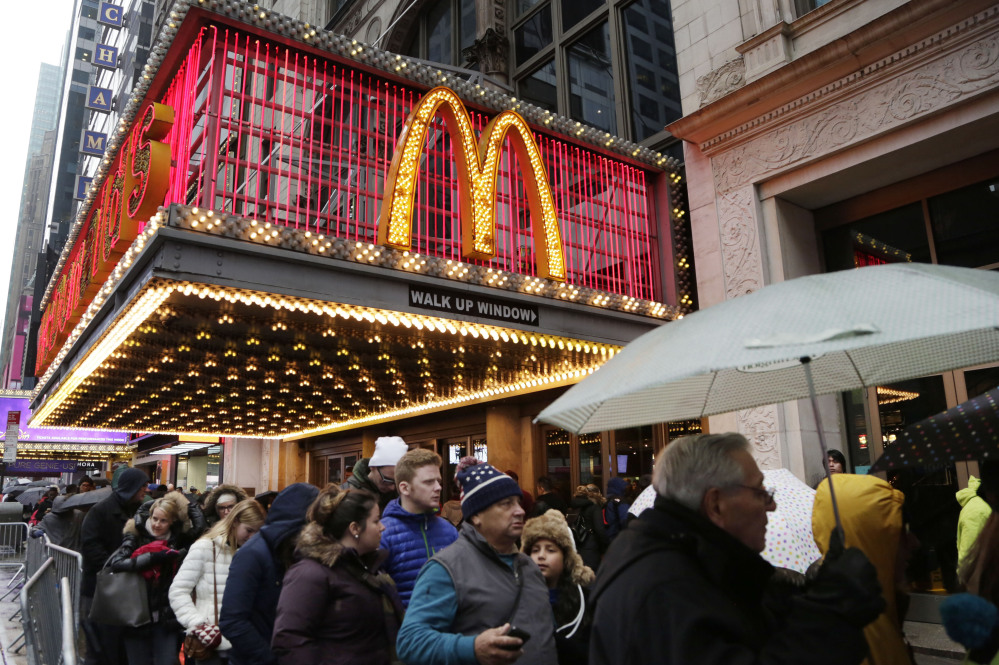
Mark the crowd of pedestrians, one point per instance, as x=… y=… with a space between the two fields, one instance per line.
x=378 y=572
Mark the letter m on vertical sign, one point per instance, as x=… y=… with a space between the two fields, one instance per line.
x=93 y=143
x=477 y=168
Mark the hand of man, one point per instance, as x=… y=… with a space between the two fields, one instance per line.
x=848 y=584
x=495 y=647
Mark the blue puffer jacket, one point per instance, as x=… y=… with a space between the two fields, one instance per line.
x=411 y=539
x=249 y=604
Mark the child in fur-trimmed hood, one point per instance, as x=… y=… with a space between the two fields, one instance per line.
x=549 y=543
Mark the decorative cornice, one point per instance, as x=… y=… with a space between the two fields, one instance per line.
x=885 y=68
x=776 y=94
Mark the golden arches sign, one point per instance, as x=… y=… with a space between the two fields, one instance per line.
x=478 y=166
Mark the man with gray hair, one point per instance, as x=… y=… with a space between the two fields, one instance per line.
x=685 y=582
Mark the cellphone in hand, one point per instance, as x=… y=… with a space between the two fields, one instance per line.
x=519 y=633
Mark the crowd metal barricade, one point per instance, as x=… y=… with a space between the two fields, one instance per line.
x=50 y=603
x=12 y=545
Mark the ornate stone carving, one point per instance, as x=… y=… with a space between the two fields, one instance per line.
x=888 y=105
x=720 y=82
x=490 y=53
x=759 y=425
x=740 y=242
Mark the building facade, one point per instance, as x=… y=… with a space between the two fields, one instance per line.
x=292 y=244
x=820 y=138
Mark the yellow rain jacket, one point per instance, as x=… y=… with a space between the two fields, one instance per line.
x=871 y=511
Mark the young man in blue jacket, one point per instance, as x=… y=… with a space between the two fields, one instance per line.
x=414 y=531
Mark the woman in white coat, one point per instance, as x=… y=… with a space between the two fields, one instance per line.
x=197 y=588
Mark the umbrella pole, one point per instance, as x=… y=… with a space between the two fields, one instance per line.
x=806 y=361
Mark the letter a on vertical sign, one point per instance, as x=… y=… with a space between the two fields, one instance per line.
x=99 y=99
x=110 y=14
x=477 y=168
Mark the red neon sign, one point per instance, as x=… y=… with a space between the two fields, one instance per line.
x=133 y=189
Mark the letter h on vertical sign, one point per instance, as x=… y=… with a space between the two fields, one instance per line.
x=99 y=99
x=111 y=14
x=93 y=143
x=106 y=56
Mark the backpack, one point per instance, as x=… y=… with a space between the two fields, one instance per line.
x=581 y=529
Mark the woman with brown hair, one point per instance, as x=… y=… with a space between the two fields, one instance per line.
x=337 y=605
x=197 y=588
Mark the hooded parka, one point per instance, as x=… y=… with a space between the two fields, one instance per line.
x=871 y=512
x=336 y=607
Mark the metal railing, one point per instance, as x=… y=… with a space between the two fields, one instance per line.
x=69 y=569
x=50 y=603
x=12 y=546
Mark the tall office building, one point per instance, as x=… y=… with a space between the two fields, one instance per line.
x=34 y=202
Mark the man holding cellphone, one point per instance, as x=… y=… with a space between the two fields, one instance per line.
x=480 y=600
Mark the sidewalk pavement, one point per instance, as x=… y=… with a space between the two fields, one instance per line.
x=10 y=625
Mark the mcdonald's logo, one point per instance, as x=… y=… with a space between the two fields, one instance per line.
x=477 y=165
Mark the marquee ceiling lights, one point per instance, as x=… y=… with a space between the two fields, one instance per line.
x=195 y=358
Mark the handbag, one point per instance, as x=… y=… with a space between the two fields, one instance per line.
x=120 y=599
x=201 y=643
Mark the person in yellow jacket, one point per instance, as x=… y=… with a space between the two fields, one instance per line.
x=975 y=509
x=871 y=511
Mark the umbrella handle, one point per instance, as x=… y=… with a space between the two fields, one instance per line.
x=806 y=362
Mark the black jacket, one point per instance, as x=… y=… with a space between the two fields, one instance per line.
x=100 y=535
x=549 y=501
x=675 y=589
x=183 y=533
x=595 y=543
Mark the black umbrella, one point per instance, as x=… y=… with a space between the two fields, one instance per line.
x=31 y=495
x=968 y=431
x=14 y=490
x=82 y=500
x=40 y=483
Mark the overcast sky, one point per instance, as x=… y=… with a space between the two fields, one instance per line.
x=35 y=33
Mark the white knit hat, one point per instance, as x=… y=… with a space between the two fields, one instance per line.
x=388 y=451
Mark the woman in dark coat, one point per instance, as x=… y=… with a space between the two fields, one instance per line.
x=587 y=523
x=337 y=605
x=154 y=544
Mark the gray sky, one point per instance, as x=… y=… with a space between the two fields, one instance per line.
x=35 y=34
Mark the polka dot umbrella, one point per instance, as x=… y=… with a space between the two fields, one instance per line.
x=968 y=431
x=790 y=543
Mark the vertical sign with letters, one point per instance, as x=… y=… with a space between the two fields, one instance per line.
x=111 y=14
x=10 y=442
x=82 y=185
x=93 y=143
x=99 y=99
x=106 y=56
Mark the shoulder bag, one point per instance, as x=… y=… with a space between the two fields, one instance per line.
x=202 y=642
x=120 y=599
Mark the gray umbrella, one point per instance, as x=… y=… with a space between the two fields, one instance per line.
x=31 y=495
x=799 y=338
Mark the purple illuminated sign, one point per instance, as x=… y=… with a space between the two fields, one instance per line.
x=50 y=435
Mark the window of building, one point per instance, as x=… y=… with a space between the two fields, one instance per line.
x=86 y=33
x=444 y=29
x=608 y=63
x=84 y=55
